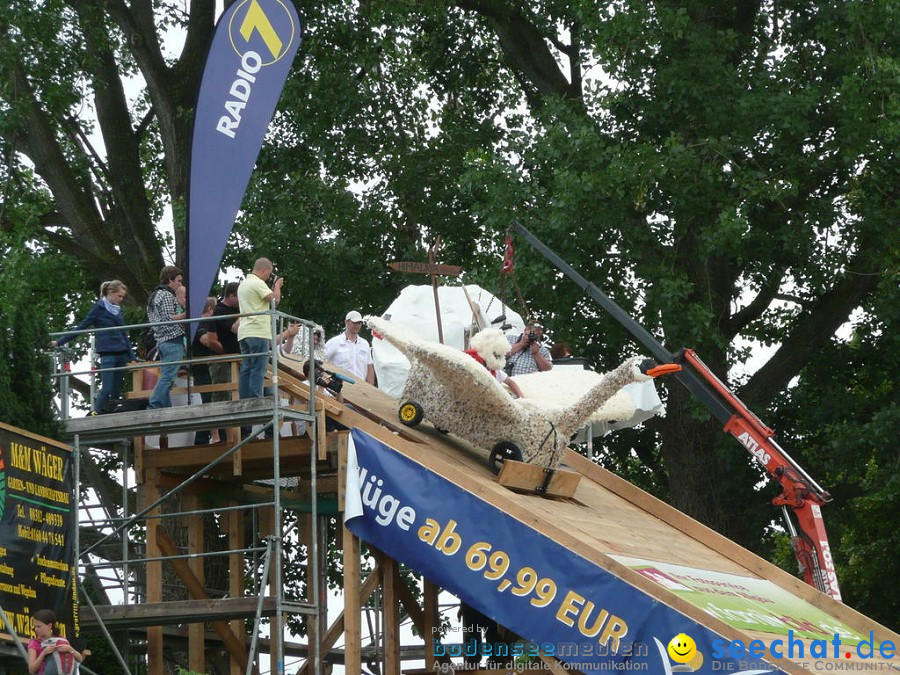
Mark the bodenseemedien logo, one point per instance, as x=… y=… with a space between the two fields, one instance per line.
x=271 y=21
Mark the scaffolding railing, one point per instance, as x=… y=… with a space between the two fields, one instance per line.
x=125 y=567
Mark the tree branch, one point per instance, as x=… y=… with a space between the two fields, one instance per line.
x=815 y=328
x=130 y=219
x=524 y=45
x=742 y=318
x=71 y=190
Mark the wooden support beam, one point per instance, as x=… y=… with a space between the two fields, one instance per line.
x=342 y=625
x=342 y=470
x=419 y=617
x=390 y=571
x=304 y=527
x=196 y=631
x=235 y=521
x=352 y=603
x=195 y=589
x=256 y=453
x=177 y=612
x=321 y=443
x=430 y=623
x=149 y=494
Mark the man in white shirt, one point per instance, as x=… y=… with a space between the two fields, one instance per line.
x=351 y=352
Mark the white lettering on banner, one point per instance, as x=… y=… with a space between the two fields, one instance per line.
x=829 y=576
x=240 y=90
x=754 y=448
x=386 y=506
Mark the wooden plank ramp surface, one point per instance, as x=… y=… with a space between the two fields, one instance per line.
x=612 y=523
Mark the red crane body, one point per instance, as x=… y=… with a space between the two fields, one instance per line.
x=799 y=492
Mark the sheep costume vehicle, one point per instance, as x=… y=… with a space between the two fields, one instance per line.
x=461 y=395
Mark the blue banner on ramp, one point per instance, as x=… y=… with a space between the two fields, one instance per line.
x=571 y=608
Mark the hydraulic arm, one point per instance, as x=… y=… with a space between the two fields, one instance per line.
x=799 y=492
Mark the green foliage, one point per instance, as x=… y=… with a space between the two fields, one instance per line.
x=845 y=416
x=26 y=367
x=725 y=171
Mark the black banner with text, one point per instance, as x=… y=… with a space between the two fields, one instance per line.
x=38 y=516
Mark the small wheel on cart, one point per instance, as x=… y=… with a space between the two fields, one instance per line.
x=503 y=451
x=411 y=413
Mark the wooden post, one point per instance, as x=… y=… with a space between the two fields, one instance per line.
x=236 y=579
x=352 y=604
x=196 y=631
x=150 y=493
x=431 y=623
x=391 y=613
x=312 y=621
x=234 y=434
x=275 y=644
x=432 y=268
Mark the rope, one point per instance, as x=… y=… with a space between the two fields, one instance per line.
x=508 y=271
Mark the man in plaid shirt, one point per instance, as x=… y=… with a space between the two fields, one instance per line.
x=527 y=354
x=161 y=309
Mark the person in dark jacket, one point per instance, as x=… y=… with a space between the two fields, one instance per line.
x=206 y=343
x=113 y=346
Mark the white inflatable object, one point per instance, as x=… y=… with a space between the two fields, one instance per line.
x=414 y=308
x=458 y=394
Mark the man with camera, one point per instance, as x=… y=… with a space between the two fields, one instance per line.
x=527 y=354
x=255 y=332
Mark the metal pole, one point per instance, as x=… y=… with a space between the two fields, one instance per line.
x=313 y=557
x=174 y=491
x=277 y=624
x=62 y=363
x=125 y=514
x=94 y=364
x=259 y=605
x=686 y=376
x=15 y=636
x=106 y=634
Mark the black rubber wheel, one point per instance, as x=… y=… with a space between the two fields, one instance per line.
x=411 y=413
x=503 y=451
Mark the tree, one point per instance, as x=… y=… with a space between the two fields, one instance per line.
x=26 y=370
x=63 y=57
x=724 y=171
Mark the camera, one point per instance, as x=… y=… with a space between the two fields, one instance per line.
x=325 y=378
x=531 y=337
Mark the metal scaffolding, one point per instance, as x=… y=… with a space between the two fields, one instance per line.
x=128 y=569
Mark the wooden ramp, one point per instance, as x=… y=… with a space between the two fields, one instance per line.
x=643 y=542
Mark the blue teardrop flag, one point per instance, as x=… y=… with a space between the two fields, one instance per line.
x=248 y=62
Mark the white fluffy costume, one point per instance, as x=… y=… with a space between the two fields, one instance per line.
x=458 y=394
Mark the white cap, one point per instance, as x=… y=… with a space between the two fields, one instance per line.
x=353 y=316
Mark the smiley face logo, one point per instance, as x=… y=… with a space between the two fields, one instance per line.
x=682 y=648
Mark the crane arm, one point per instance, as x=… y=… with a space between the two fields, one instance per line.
x=799 y=492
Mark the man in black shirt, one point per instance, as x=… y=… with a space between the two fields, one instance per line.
x=206 y=344
x=226 y=331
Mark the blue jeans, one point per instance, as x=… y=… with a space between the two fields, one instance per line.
x=110 y=381
x=253 y=368
x=169 y=354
